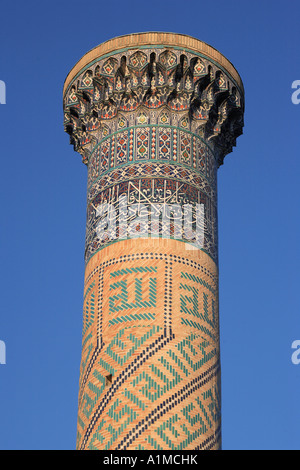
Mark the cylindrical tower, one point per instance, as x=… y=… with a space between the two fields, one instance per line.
x=153 y=115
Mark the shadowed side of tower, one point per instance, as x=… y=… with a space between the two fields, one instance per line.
x=153 y=116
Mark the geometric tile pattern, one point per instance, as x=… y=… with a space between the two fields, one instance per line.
x=144 y=140
x=155 y=333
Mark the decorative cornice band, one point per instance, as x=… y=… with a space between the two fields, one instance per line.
x=163 y=39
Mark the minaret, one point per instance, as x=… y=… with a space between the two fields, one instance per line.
x=153 y=116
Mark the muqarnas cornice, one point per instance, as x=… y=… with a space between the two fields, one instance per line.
x=153 y=71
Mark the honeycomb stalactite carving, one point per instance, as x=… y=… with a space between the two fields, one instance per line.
x=151 y=80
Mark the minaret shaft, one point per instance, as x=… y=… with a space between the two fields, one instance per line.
x=153 y=115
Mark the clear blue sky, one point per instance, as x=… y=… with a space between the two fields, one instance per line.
x=43 y=200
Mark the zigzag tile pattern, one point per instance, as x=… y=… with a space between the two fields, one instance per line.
x=159 y=342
